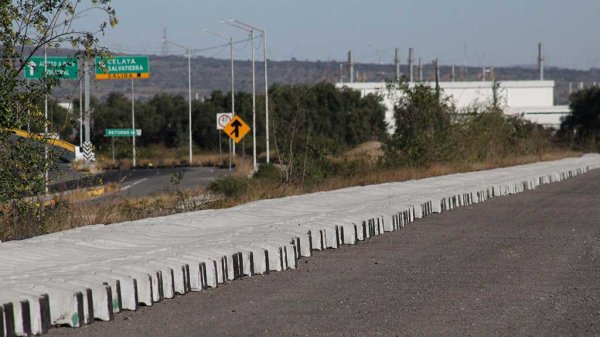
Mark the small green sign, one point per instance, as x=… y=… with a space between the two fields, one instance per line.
x=54 y=66
x=122 y=67
x=122 y=132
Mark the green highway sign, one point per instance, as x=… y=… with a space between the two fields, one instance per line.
x=55 y=66
x=122 y=132
x=122 y=67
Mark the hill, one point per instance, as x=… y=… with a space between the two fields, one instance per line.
x=169 y=74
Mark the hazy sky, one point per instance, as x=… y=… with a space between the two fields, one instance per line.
x=494 y=32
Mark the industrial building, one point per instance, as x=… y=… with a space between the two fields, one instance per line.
x=532 y=100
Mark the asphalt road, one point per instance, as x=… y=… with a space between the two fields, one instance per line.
x=523 y=265
x=142 y=181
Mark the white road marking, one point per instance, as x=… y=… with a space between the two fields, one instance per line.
x=135 y=183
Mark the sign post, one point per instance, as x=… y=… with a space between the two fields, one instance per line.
x=61 y=67
x=112 y=133
x=124 y=68
x=236 y=129
x=223 y=119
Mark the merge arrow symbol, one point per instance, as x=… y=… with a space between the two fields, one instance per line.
x=236 y=128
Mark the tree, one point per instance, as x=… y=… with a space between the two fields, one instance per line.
x=27 y=27
x=311 y=123
x=423 y=126
x=582 y=127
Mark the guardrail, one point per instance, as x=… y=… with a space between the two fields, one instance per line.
x=67 y=150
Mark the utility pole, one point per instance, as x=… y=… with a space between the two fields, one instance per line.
x=165 y=44
x=189 y=55
x=80 y=113
x=188 y=52
x=46 y=123
x=133 y=122
x=229 y=39
x=252 y=29
x=87 y=144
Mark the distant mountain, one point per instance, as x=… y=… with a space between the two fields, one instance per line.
x=169 y=74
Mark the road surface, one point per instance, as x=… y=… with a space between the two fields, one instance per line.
x=527 y=264
x=142 y=182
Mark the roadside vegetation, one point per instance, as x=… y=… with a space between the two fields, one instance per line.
x=323 y=138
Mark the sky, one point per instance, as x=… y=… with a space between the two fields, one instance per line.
x=482 y=32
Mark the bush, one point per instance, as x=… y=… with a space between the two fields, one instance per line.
x=230 y=186
x=269 y=172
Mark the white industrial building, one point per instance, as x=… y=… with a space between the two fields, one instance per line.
x=533 y=100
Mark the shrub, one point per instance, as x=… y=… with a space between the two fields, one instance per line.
x=269 y=172
x=230 y=186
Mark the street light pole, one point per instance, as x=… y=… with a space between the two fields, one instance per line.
x=46 y=123
x=189 y=52
x=189 y=55
x=264 y=35
x=251 y=31
x=230 y=41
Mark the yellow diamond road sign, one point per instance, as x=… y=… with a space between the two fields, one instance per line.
x=236 y=129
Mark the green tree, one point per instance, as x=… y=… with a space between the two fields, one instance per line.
x=310 y=123
x=423 y=127
x=582 y=127
x=27 y=27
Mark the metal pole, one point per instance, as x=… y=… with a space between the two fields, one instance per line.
x=80 y=115
x=220 y=148
x=113 y=148
x=254 y=166
x=45 y=125
x=190 y=102
x=133 y=121
x=28 y=114
x=264 y=32
x=86 y=86
x=231 y=143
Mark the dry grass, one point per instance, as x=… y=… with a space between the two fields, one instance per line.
x=369 y=175
x=372 y=150
x=162 y=156
x=115 y=209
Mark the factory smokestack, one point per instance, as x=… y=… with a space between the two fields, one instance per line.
x=541 y=61
x=351 y=66
x=397 y=62
x=410 y=64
